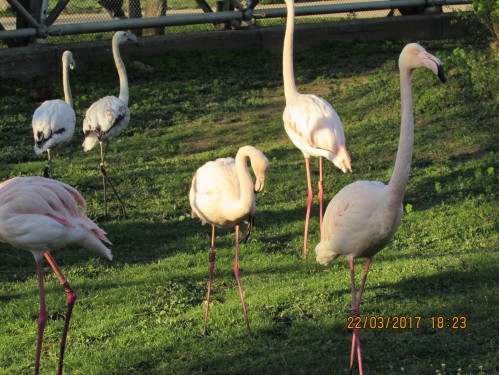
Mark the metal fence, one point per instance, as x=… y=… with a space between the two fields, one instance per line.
x=65 y=21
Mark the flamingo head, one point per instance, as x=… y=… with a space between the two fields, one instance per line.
x=414 y=56
x=124 y=37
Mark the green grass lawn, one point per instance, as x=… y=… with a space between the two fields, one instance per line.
x=142 y=313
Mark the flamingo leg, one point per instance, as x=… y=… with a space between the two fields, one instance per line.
x=321 y=193
x=363 y=282
x=102 y=169
x=106 y=181
x=211 y=267
x=251 y=223
x=238 y=279
x=42 y=316
x=71 y=299
x=47 y=171
x=355 y=311
x=309 y=206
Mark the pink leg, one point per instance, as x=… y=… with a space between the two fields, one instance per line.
x=356 y=348
x=310 y=197
x=236 y=273
x=42 y=316
x=211 y=258
x=71 y=299
x=355 y=311
x=321 y=193
x=363 y=282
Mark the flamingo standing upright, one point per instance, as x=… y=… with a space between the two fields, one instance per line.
x=54 y=121
x=53 y=124
x=311 y=123
x=38 y=214
x=223 y=194
x=106 y=118
x=363 y=217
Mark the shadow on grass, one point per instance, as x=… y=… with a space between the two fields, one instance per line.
x=310 y=346
x=298 y=343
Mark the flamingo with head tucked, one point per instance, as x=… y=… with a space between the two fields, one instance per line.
x=363 y=217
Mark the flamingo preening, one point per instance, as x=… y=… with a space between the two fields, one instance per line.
x=223 y=194
x=363 y=217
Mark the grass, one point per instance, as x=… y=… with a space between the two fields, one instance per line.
x=142 y=313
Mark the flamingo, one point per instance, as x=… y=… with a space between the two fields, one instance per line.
x=363 y=217
x=54 y=121
x=38 y=214
x=311 y=123
x=53 y=124
x=223 y=194
x=106 y=118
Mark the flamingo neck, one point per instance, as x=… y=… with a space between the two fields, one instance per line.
x=246 y=187
x=68 y=97
x=402 y=167
x=120 y=66
x=287 y=53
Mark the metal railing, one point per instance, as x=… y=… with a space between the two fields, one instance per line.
x=63 y=19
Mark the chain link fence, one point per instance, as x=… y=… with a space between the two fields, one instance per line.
x=89 y=11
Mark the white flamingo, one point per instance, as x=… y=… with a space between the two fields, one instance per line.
x=53 y=124
x=106 y=118
x=39 y=214
x=311 y=123
x=223 y=194
x=54 y=121
x=363 y=217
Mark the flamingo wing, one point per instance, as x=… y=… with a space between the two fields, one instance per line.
x=104 y=120
x=38 y=214
x=315 y=128
x=53 y=123
x=358 y=222
x=214 y=186
x=311 y=120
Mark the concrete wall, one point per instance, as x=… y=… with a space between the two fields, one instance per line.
x=45 y=60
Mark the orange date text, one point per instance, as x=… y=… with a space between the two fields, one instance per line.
x=384 y=322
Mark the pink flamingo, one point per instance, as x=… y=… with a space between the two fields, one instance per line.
x=223 y=194
x=363 y=217
x=38 y=214
x=311 y=123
